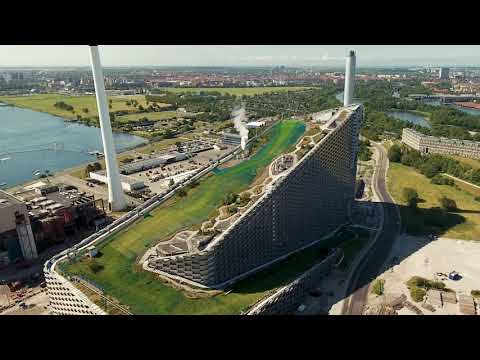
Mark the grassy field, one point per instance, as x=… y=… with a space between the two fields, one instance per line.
x=121 y=276
x=468 y=188
x=463 y=223
x=154 y=116
x=470 y=162
x=239 y=91
x=162 y=299
x=46 y=102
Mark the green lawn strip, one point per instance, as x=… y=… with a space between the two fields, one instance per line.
x=120 y=276
x=463 y=223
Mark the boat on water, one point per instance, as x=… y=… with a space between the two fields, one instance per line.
x=98 y=154
x=3 y=184
x=5 y=159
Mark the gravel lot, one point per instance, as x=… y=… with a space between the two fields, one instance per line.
x=418 y=256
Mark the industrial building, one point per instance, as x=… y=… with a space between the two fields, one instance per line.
x=147 y=164
x=255 y=124
x=232 y=139
x=34 y=219
x=16 y=237
x=440 y=145
x=128 y=183
x=311 y=200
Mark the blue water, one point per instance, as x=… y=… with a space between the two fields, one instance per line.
x=465 y=110
x=27 y=144
x=410 y=117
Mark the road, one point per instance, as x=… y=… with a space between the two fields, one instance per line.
x=370 y=266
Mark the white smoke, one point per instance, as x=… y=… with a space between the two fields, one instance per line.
x=239 y=119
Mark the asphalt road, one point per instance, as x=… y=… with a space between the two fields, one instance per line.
x=371 y=265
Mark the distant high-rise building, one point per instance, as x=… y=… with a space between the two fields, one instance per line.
x=444 y=73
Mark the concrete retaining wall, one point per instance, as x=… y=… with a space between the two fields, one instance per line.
x=287 y=299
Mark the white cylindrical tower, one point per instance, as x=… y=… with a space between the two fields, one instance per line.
x=349 y=79
x=116 y=200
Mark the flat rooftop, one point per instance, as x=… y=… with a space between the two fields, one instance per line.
x=123 y=178
x=7 y=200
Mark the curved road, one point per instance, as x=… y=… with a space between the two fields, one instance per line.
x=370 y=266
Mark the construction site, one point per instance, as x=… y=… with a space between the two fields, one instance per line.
x=429 y=276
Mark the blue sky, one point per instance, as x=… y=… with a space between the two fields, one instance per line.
x=227 y=55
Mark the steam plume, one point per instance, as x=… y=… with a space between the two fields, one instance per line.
x=239 y=119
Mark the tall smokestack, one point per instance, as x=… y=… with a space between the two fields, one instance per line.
x=349 y=78
x=116 y=200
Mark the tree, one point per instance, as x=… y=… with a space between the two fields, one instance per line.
x=182 y=192
x=447 y=203
x=230 y=198
x=171 y=182
x=411 y=197
x=88 y=169
x=364 y=153
x=85 y=110
x=97 y=166
x=395 y=153
x=378 y=287
x=168 y=134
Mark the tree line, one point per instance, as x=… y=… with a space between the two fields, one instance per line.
x=433 y=165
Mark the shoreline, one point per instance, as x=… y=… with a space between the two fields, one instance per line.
x=72 y=120
x=15 y=187
x=68 y=171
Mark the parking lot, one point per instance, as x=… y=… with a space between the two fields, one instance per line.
x=158 y=179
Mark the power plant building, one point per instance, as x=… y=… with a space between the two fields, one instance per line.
x=16 y=236
x=308 y=196
x=307 y=202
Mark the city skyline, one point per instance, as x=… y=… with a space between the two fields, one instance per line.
x=239 y=55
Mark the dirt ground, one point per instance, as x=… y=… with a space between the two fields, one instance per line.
x=37 y=305
x=419 y=256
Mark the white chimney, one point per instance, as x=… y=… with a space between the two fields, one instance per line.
x=349 y=78
x=116 y=200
